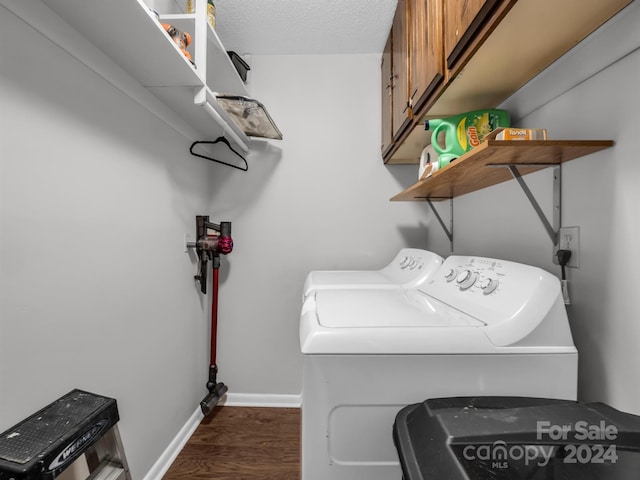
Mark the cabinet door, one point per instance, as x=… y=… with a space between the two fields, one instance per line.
x=387 y=104
x=426 y=50
x=463 y=18
x=400 y=68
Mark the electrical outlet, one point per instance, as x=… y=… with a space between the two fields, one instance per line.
x=569 y=239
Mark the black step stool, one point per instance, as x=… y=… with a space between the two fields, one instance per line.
x=79 y=423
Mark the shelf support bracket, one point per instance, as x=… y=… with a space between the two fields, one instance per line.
x=448 y=231
x=552 y=227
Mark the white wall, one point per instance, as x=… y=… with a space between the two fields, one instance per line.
x=318 y=199
x=591 y=93
x=96 y=193
x=95 y=196
x=95 y=289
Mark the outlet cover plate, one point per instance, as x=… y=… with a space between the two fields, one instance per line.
x=569 y=239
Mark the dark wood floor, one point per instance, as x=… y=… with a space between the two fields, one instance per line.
x=242 y=443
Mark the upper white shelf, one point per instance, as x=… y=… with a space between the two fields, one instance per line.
x=222 y=76
x=131 y=35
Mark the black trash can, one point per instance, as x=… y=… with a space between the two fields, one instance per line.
x=512 y=438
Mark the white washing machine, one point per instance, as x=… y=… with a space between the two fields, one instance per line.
x=478 y=326
x=410 y=268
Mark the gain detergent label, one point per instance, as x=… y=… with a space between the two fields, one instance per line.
x=473 y=128
x=463 y=132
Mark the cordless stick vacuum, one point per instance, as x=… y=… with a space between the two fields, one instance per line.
x=209 y=247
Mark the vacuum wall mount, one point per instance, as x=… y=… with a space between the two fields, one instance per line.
x=209 y=247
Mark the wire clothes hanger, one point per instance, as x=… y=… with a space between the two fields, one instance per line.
x=226 y=142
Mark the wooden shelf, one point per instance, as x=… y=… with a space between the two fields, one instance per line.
x=480 y=168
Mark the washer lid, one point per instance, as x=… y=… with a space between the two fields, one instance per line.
x=386 y=322
x=400 y=322
x=389 y=309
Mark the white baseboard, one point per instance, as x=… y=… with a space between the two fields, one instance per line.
x=171 y=452
x=261 y=400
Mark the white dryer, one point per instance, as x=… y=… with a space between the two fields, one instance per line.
x=478 y=326
x=410 y=268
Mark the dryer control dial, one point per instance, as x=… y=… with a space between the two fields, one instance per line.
x=488 y=285
x=466 y=279
x=450 y=275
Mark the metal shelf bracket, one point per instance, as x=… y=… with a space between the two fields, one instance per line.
x=448 y=231
x=552 y=227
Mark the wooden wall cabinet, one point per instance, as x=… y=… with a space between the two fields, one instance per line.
x=387 y=98
x=466 y=55
x=426 y=62
x=463 y=20
x=401 y=113
x=424 y=34
x=412 y=65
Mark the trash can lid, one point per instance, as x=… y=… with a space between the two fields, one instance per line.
x=516 y=438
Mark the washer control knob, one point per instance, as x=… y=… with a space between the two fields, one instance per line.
x=450 y=275
x=466 y=279
x=488 y=285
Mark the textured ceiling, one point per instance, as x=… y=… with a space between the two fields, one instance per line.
x=290 y=27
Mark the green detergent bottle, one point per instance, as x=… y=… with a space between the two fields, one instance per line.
x=463 y=132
